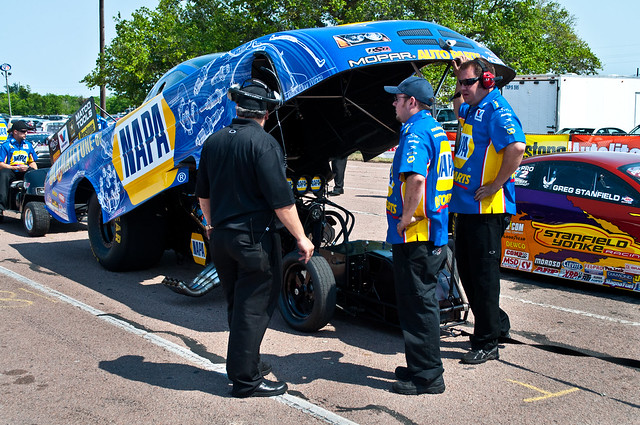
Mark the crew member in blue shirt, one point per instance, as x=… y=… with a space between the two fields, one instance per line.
x=420 y=185
x=17 y=156
x=487 y=154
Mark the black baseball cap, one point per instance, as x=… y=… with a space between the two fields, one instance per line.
x=20 y=125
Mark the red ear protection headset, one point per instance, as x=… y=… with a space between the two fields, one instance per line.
x=488 y=80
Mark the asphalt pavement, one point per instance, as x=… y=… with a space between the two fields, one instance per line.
x=83 y=345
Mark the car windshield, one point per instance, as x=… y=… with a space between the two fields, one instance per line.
x=636 y=130
x=632 y=170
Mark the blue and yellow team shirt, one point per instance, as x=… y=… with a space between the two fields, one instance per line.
x=14 y=153
x=487 y=129
x=3 y=131
x=424 y=149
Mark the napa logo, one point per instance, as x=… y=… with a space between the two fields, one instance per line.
x=143 y=147
x=3 y=131
x=198 y=249
x=445 y=168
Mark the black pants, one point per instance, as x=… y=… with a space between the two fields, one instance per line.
x=415 y=267
x=338 y=166
x=478 y=251
x=251 y=276
x=6 y=177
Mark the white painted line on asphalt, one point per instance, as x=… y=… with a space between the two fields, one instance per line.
x=287 y=399
x=570 y=310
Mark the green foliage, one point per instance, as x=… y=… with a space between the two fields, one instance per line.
x=24 y=102
x=532 y=36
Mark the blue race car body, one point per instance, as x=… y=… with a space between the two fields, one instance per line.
x=330 y=80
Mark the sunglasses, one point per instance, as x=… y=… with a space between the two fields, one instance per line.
x=469 y=81
x=397 y=97
x=22 y=131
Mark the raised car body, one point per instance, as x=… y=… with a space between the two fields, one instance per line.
x=330 y=80
x=578 y=218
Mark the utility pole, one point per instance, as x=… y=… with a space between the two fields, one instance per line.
x=103 y=90
x=5 y=67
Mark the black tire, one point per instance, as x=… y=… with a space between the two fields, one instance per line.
x=36 y=219
x=308 y=296
x=133 y=241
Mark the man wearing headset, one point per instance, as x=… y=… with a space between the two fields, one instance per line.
x=487 y=154
x=244 y=195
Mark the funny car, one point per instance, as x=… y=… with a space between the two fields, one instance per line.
x=578 y=218
x=136 y=178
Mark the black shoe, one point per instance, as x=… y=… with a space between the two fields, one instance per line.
x=504 y=337
x=480 y=356
x=335 y=192
x=410 y=388
x=264 y=368
x=403 y=374
x=265 y=389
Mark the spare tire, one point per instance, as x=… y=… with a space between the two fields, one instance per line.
x=132 y=241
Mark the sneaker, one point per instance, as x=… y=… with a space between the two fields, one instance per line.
x=410 y=388
x=480 y=356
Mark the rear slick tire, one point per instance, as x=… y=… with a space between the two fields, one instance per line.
x=132 y=241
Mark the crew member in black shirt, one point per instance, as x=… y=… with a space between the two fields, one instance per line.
x=244 y=196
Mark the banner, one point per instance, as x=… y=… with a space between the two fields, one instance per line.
x=82 y=123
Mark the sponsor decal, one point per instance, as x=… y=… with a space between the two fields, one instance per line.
x=619 y=277
x=356 y=39
x=517 y=254
x=379 y=49
x=632 y=269
x=381 y=57
x=585 y=238
x=623 y=285
x=594 y=269
x=511 y=262
x=479 y=114
x=570 y=274
x=72 y=156
x=444 y=54
x=198 y=249
x=143 y=146
x=571 y=265
x=516 y=227
x=525 y=265
x=515 y=245
x=546 y=270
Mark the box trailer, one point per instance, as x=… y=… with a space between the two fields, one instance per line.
x=549 y=103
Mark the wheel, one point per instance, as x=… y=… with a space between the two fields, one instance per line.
x=133 y=241
x=36 y=219
x=308 y=295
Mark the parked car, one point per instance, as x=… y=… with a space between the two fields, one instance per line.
x=137 y=177
x=447 y=119
x=578 y=218
x=611 y=131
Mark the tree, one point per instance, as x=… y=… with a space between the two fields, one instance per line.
x=531 y=36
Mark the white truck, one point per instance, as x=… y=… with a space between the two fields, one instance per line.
x=547 y=103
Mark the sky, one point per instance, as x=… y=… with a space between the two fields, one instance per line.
x=56 y=43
